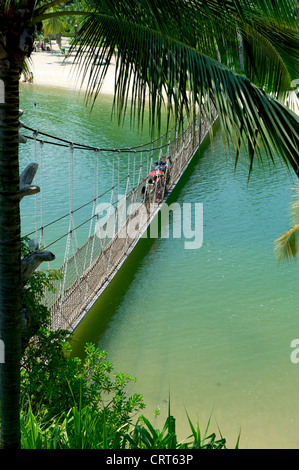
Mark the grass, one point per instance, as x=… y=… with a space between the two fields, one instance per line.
x=87 y=429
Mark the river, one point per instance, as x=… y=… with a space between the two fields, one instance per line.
x=211 y=327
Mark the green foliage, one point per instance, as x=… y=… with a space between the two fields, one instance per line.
x=63 y=18
x=74 y=404
x=287 y=244
x=145 y=436
x=54 y=384
x=57 y=381
x=69 y=403
x=72 y=398
x=77 y=429
x=33 y=291
x=178 y=53
x=85 y=428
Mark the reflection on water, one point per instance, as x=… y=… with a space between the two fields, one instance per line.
x=210 y=327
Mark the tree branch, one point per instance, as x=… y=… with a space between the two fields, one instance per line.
x=55 y=14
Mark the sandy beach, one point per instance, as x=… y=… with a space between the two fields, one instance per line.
x=57 y=70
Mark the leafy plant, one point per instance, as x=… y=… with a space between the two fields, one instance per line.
x=33 y=291
x=69 y=403
x=145 y=436
x=50 y=376
x=86 y=428
x=55 y=385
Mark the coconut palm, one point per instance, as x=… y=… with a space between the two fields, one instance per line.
x=239 y=55
x=188 y=53
x=55 y=26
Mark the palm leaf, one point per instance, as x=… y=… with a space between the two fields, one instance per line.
x=164 y=64
x=287 y=245
x=174 y=54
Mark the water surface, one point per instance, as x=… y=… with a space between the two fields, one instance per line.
x=210 y=327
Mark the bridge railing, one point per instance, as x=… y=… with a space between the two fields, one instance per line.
x=87 y=273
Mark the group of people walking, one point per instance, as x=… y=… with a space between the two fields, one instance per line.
x=157 y=180
x=39 y=46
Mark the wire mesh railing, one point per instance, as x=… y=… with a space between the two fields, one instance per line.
x=118 y=216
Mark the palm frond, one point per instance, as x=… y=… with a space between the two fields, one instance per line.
x=287 y=245
x=294 y=206
x=164 y=64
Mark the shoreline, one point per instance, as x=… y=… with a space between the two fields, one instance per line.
x=54 y=69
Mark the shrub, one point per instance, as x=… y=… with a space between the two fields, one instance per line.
x=69 y=403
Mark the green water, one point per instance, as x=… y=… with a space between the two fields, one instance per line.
x=210 y=327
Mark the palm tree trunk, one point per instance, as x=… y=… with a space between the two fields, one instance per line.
x=10 y=257
x=59 y=41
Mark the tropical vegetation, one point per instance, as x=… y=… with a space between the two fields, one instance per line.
x=239 y=55
x=287 y=244
x=72 y=403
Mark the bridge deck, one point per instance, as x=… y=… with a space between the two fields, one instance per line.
x=84 y=285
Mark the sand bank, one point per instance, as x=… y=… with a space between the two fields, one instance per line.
x=56 y=70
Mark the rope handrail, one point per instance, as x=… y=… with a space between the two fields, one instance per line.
x=87 y=220
x=68 y=144
x=81 y=207
x=74 y=210
x=112 y=150
x=88 y=269
x=141 y=147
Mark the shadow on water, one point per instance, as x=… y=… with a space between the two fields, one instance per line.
x=95 y=323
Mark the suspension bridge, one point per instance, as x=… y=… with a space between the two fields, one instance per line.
x=117 y=217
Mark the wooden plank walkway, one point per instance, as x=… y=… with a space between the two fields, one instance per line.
x=85 y=285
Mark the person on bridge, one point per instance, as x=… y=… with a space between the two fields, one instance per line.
x=168 y=167
x=150 y=186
